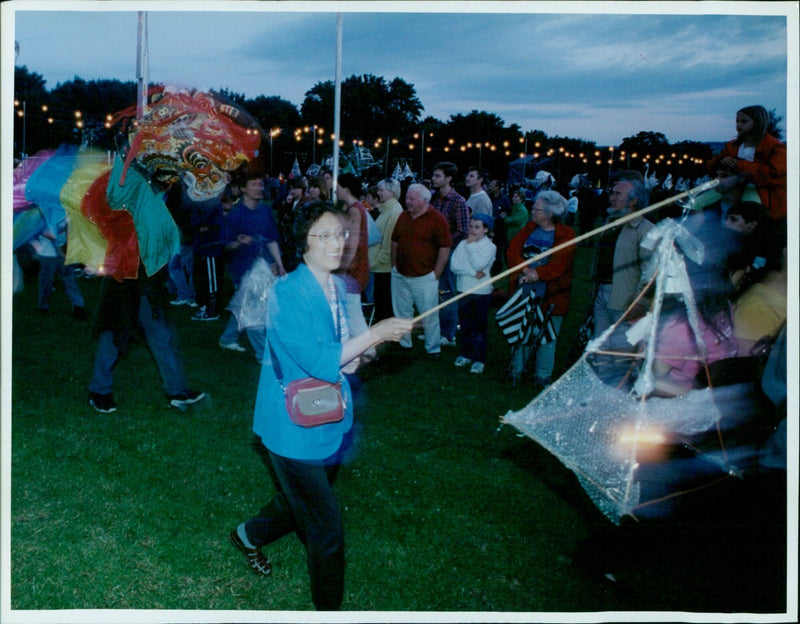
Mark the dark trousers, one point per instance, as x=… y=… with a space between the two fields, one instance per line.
x=448 y=315
x=473 y=316
x=382 y=296
x=306 y=505
x=207 y=277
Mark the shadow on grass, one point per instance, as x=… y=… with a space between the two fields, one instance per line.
x=539 y=462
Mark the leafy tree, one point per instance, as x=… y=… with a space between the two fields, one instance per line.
x=404 y=107
x=29 y=96
x=774 y=128
x=317 y=107
x=29 y=85
x=536 y=136
x=371 y=107
x=478 y=132
x=475 y=126
x=645 y=141
x=694 y=149
x=95 y=100
x=274 y=112
x=231 y=96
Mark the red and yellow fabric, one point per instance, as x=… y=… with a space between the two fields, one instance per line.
x=85 y=243
x=116 y=226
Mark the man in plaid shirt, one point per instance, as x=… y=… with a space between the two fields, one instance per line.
x=454 y=208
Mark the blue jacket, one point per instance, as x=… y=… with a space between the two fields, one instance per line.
x=303 y=336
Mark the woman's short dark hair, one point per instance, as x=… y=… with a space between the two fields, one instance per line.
x=305 y=217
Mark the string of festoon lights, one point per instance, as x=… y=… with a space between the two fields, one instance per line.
x=422 y=142
x=599 y=156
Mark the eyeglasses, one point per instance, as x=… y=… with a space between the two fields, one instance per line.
x=327 y=237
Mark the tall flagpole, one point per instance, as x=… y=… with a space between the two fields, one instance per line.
x=141 y=65
x=337 y=102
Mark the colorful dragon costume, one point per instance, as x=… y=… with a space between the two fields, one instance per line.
x=114 y=203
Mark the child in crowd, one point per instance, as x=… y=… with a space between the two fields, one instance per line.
x=758 y=157
x=471 y=262
x=756 y=246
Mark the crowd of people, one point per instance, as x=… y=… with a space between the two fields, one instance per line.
x=399 y=248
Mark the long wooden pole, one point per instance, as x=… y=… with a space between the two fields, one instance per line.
x=707 y=186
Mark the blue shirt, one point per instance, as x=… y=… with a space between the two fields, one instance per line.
x=259 y=223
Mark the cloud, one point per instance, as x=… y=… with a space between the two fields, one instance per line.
x=588 y=66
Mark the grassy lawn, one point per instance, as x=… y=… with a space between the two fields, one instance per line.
x=442 y=511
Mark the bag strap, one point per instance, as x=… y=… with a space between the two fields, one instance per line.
x=276 y=365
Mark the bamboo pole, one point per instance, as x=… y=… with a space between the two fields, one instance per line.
x=707 y=186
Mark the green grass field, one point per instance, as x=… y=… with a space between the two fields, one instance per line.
x=443 y=512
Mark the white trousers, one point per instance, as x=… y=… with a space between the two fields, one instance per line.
x=422 y=292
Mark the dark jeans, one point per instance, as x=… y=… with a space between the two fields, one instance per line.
x=382 y=296
x=306 y=505
x=473 y=315
x=163 y=342
x=49 y=268
x=448 y=315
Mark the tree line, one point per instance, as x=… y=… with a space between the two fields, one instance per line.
x=384 y=116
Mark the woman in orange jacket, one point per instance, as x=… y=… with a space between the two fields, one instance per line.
x=758 y=157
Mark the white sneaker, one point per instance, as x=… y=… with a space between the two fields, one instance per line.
x=477 y=368
x=447 y=342
x=461 y=361
x=186 y=302
x=202 y=315
x=232 y=346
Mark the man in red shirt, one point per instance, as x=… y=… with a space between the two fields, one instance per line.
x=421 y=244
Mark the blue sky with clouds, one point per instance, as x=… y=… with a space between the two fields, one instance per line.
x=591 y=74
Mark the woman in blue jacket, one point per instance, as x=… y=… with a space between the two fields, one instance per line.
x=308 y=335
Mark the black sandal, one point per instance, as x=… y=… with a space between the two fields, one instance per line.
x=255 y=558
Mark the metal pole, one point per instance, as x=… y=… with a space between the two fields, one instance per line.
x=524 y=156
x=141 y=95
x=314 y=145
x=24 y=127
x=337 y=101
x=422 y=156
